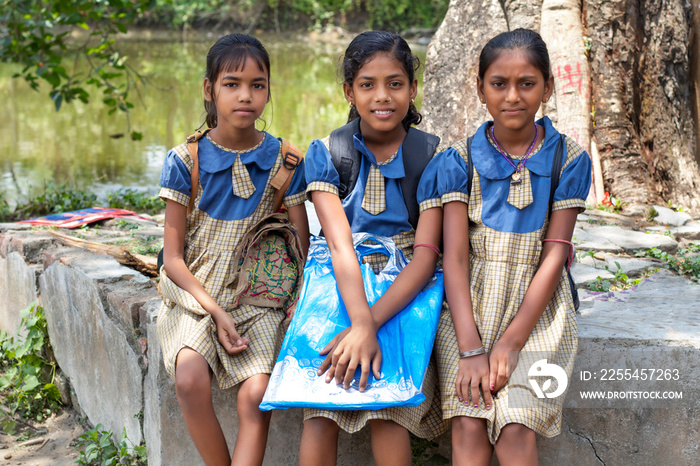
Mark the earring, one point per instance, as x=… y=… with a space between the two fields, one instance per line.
x=413 y=101
x=350 y=104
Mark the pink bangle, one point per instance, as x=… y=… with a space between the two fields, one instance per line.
x=570 y=256
x=426 y=245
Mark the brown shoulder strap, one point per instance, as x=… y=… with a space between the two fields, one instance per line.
x=291 y=157
x=192 y=147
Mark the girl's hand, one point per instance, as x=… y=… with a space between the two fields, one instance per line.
x=232 y=342
x=328 y=351
x=359 y=347
x=474 y=373
x=503 y=359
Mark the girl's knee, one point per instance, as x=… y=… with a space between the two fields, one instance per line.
x=516 y=432
x=252 y=390
x=192 y=379
x=387 y=427
x=468 y=426
x=188 y=385
x=321 y=426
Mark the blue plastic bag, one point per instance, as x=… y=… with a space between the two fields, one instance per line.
x=406 y=340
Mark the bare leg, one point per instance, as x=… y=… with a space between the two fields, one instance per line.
x=193 y=389
x=253 y=424
x=319 y=442
x=470 y=442
x=516 y=445
x=391 y=444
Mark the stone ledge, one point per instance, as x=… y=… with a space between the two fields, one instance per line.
x=29 y=244
x=102 y=324
x=99 y=355
x=18 y=289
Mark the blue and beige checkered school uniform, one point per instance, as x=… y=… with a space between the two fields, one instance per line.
x=375 y=205
x=507 y=226
x=234 y=193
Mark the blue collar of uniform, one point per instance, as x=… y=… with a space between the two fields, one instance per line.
x=393 y=169
x=264 y=156
x=491 y=165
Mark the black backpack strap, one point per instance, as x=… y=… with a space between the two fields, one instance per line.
x=417 y=149
x=556 y=171
x=470 y=165
x=346 y=159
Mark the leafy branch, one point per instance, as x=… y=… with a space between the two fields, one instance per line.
x=39 y=35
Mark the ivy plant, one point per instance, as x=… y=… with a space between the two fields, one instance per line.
x=27 y=380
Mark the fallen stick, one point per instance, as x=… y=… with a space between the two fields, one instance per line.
x=145 y=264
x=31 y=442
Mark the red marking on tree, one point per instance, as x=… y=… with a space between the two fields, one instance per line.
x=569 y=78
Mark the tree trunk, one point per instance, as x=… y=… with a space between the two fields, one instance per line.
x=522 y=14
x=669 y=134
x=641 y=92
x=562 y=30
x=695 y=72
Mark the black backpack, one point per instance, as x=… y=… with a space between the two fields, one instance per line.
x=418 y=148
x=556 y=173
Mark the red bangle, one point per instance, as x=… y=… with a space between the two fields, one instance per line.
x=570 y=256
x=429 y=246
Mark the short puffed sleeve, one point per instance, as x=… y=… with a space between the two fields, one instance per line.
x=575 y=180
x=320 y=173
x=296 y=193
x=444 y=180
x=175 y=179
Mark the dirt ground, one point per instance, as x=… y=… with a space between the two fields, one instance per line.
x=49 y=444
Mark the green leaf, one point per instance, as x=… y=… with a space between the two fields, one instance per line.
x=58 y=101
x=9 y=425
x=30 y=383
x=51 y=392
x=25 y=312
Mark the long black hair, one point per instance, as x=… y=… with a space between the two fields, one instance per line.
x=231 y=52
x=526 y=40
x=364 y=47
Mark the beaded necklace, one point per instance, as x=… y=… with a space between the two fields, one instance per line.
x=515 y=178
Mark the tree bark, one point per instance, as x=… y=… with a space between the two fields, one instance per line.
x=669 y=135
x=695 y=72
x=562 y=30
x=641 y=93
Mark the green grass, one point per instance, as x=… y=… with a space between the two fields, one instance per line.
x=619 y=281
x=685 y=262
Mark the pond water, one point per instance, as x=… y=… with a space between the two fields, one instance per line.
x=77 y=145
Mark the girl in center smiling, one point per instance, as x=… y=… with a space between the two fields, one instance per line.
x=379 y=85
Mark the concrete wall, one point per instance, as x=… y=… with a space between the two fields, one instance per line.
x=102 y=318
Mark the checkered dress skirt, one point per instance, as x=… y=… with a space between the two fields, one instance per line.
x=209 y=248
x=502 y=265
